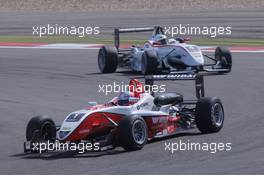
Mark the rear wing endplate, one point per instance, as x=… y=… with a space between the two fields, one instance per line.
x=198 y=78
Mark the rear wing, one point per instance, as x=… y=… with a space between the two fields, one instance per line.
x=197 y=77
x=156 y=30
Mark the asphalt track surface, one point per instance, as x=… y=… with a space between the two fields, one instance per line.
x=56 y=82
x=244 y=23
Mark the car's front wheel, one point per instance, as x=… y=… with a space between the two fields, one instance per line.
x=132 y=133
x=40 y=128
x=223 y=58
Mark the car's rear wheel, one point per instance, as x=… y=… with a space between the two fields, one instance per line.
x=224 y=58
x=40 y=128
x=209 y=115
x=107 y=59
x=132 y=133
x=149 y=62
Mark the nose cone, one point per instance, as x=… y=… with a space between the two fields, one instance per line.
x=198 y=57
x=63 y=134
x=71 y=122
x=65 y=130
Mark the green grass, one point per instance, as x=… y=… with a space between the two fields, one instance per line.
x=125 y=40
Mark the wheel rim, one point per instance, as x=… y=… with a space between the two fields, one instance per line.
x=139 y=132
x=217 y=114
x=101 y=60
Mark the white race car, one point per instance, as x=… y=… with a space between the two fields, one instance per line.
x=160 y=55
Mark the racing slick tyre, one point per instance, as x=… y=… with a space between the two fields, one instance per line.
x=224 y=58
x=40 y=128
x=132 y=133
x=107 y=59
x=149 y=62
x=209 y=114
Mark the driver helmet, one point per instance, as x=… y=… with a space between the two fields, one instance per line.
x=126 y=99
x=162 y=39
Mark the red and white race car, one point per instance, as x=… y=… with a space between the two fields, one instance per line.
x=132 y=118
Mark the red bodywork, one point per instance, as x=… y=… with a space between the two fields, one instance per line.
x=98 y=124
